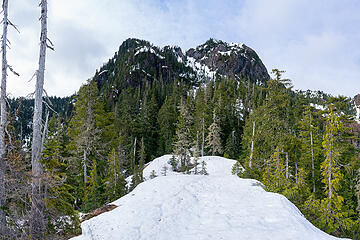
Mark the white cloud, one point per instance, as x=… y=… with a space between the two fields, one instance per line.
x=314 y=41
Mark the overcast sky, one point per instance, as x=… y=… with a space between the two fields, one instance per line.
x=316 y=42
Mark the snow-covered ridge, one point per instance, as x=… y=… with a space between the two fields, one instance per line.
x=213 y=43
x=199 y=207
x=143 y=49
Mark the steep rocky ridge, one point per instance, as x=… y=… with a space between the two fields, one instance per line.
x=230 y=60
x=138 y=62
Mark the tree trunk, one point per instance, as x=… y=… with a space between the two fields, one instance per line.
x=329 y=180
x=203 y=137
x=296 y=169
x=84 y=167
x=287 y=165
x=312 y=161
x=252 y=146
x=134 y=159
x=3 y=224
x=330 y=171
x=37 y=225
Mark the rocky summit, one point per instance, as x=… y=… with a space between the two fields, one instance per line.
x=138 y=61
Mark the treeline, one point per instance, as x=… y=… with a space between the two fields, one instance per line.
x=309 y=155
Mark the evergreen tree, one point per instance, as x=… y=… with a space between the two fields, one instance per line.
x=330 y=212
x=213 y=139
x=196 y=155
x=167 y=123
x=202 y=117
x=115 y=184
x=58 y=195
x=273 y=128
x=299 y=191
x=232 y=146
x=310 y=144
x=183 y=136
x=358 y=193
x=93 y=197
x=203 y=170
x=153 y=174
x=174 y=163
x=85 y=136
x=274 y=173
x=142 y=159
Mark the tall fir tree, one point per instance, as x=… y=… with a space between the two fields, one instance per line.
x=167 y=118
x=58 y=192
x=85 y=138
x=213 y=139
x=310 y=145
x=330 y=212
x=182 y=143
x=115 y=184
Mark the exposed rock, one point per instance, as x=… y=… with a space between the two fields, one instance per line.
x=138 y=62
x=357 y=100
x=230 y=59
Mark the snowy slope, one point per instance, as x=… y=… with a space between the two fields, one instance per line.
x=195 y=207
x=214 y=166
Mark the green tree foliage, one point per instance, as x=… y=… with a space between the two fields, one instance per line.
x=274 y=173
x=183 y=136
x=58 y=195
x=167 y=122
x=93 y=192
x=213 y=139
x=310 y=146
x=272 y=120
x=196 y=155
x=298 y=192
x=331 y=213
x=203 y=170
x=92 y=135
x=115 y=184
x=84 y=136
x=358 y=192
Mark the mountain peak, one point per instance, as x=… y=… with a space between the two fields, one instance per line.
x=139 y=61
x=234 y=59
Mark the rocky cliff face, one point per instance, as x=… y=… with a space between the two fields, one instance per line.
x=138 y=62
x=237 y=60
x=357 y=100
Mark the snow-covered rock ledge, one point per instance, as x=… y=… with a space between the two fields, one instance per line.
x=195 y=207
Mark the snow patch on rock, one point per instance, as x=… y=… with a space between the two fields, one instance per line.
x=200 y=69
x=148 y=49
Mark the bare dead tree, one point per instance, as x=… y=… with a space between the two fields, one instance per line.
x=3 y=224
x=3 y=115
x=38 y=224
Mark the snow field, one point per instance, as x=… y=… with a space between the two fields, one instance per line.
x=200 y=207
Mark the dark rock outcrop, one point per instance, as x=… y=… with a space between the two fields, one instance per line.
x=230 y=59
